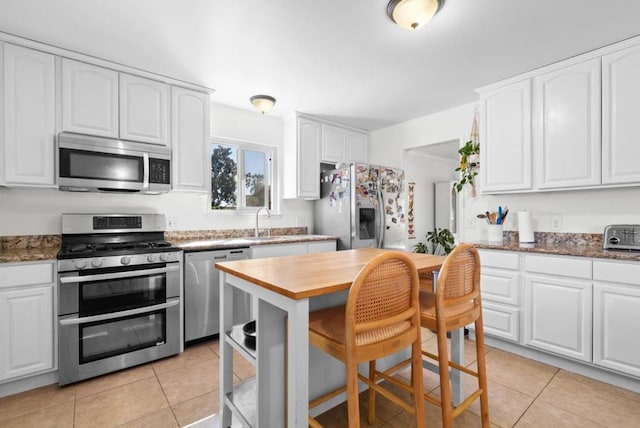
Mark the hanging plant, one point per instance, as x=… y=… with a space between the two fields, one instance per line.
x=469 y=162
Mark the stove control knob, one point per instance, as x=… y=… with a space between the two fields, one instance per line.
x=125 y=260
x=151 y=258
x=163 y=257
x=80 y=264
x=96 y=263
x=614 y=240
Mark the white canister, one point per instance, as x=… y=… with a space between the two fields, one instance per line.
x=494 y=232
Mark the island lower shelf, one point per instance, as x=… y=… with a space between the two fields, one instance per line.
x=242 y=401
x=236 y=339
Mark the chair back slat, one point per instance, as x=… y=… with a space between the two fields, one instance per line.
x=384 y=292
x=458 y=286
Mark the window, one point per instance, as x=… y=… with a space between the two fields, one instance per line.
x=241 y=175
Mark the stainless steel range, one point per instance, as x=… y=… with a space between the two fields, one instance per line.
x=622 y=237
x=119 y=294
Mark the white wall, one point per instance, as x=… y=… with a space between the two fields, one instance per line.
x=424 y=171
x=37 y=211
x=387 y=144
x=579 y=211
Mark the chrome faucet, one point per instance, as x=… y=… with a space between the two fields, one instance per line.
x=257 y=214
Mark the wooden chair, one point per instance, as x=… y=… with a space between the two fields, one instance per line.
x=455 y=304
x=381 y=317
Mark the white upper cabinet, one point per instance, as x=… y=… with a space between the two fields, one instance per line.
x=620 y=122
x=566 y=126
x=505 y=157
x=28 y=116
x=333 y=145
x=356 y=147
x=301 y=158
x=190 y=140
x=343 y=145
x=144 y=106
x=89 y=99
x=308 y=160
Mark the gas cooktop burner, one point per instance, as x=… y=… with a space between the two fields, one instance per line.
x=101 y=236
x=89 y=249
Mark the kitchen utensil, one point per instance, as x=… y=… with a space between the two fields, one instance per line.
x=504 y=214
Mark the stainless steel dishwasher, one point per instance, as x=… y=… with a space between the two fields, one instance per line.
x=202 y=293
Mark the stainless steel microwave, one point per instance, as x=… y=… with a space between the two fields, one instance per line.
x=96 y=164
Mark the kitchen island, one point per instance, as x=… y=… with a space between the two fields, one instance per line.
x=287 y=288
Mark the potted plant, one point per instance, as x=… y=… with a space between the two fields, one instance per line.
x=442 y=242
x=469 y=162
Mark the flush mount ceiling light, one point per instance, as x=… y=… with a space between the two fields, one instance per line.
x=263 y=103
x=411 y=14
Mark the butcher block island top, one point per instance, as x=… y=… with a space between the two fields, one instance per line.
x=284 y=290
x=310 y=275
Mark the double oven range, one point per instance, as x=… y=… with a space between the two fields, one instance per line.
x=119 y=294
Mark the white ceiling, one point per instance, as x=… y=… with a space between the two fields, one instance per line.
x=339 y=59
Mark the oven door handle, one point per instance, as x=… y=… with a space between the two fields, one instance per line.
x=104 y=317
x=115 y=275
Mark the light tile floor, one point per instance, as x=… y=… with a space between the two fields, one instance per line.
x=180 y=390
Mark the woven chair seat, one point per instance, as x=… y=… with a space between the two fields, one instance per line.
x=330 y=324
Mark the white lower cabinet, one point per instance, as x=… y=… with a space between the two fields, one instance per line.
x=321 y=247
x=501 y=320
x=295 y=249
x=26 y=319
x=616 y=312
x=500 y=284
x=558 y=305
x=279 y=250
x=559 y=315
x=574 y=307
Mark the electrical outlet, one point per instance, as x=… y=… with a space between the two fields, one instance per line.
x=172 y=222
x=556 y=222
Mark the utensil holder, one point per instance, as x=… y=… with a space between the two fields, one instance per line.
x=494 y=232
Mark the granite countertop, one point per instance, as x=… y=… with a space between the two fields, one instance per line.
x=45 y=247
x=12 y=255
x=560 y=249
x=244 y=242
x=29 y=248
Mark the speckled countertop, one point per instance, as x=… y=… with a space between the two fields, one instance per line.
x=222 y=244
x=562 y=244
x=46 y=247
x=28 y=248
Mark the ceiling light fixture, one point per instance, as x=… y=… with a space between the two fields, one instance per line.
x=263 y=103
x=411 y=14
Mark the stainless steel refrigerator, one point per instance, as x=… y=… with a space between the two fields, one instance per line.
x=364 y=206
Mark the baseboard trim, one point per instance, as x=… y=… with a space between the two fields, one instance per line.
x=25 y=384
x=584 y=369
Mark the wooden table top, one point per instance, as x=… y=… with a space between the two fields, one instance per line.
x=309 y=275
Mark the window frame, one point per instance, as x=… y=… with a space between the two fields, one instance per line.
x=271 y=182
